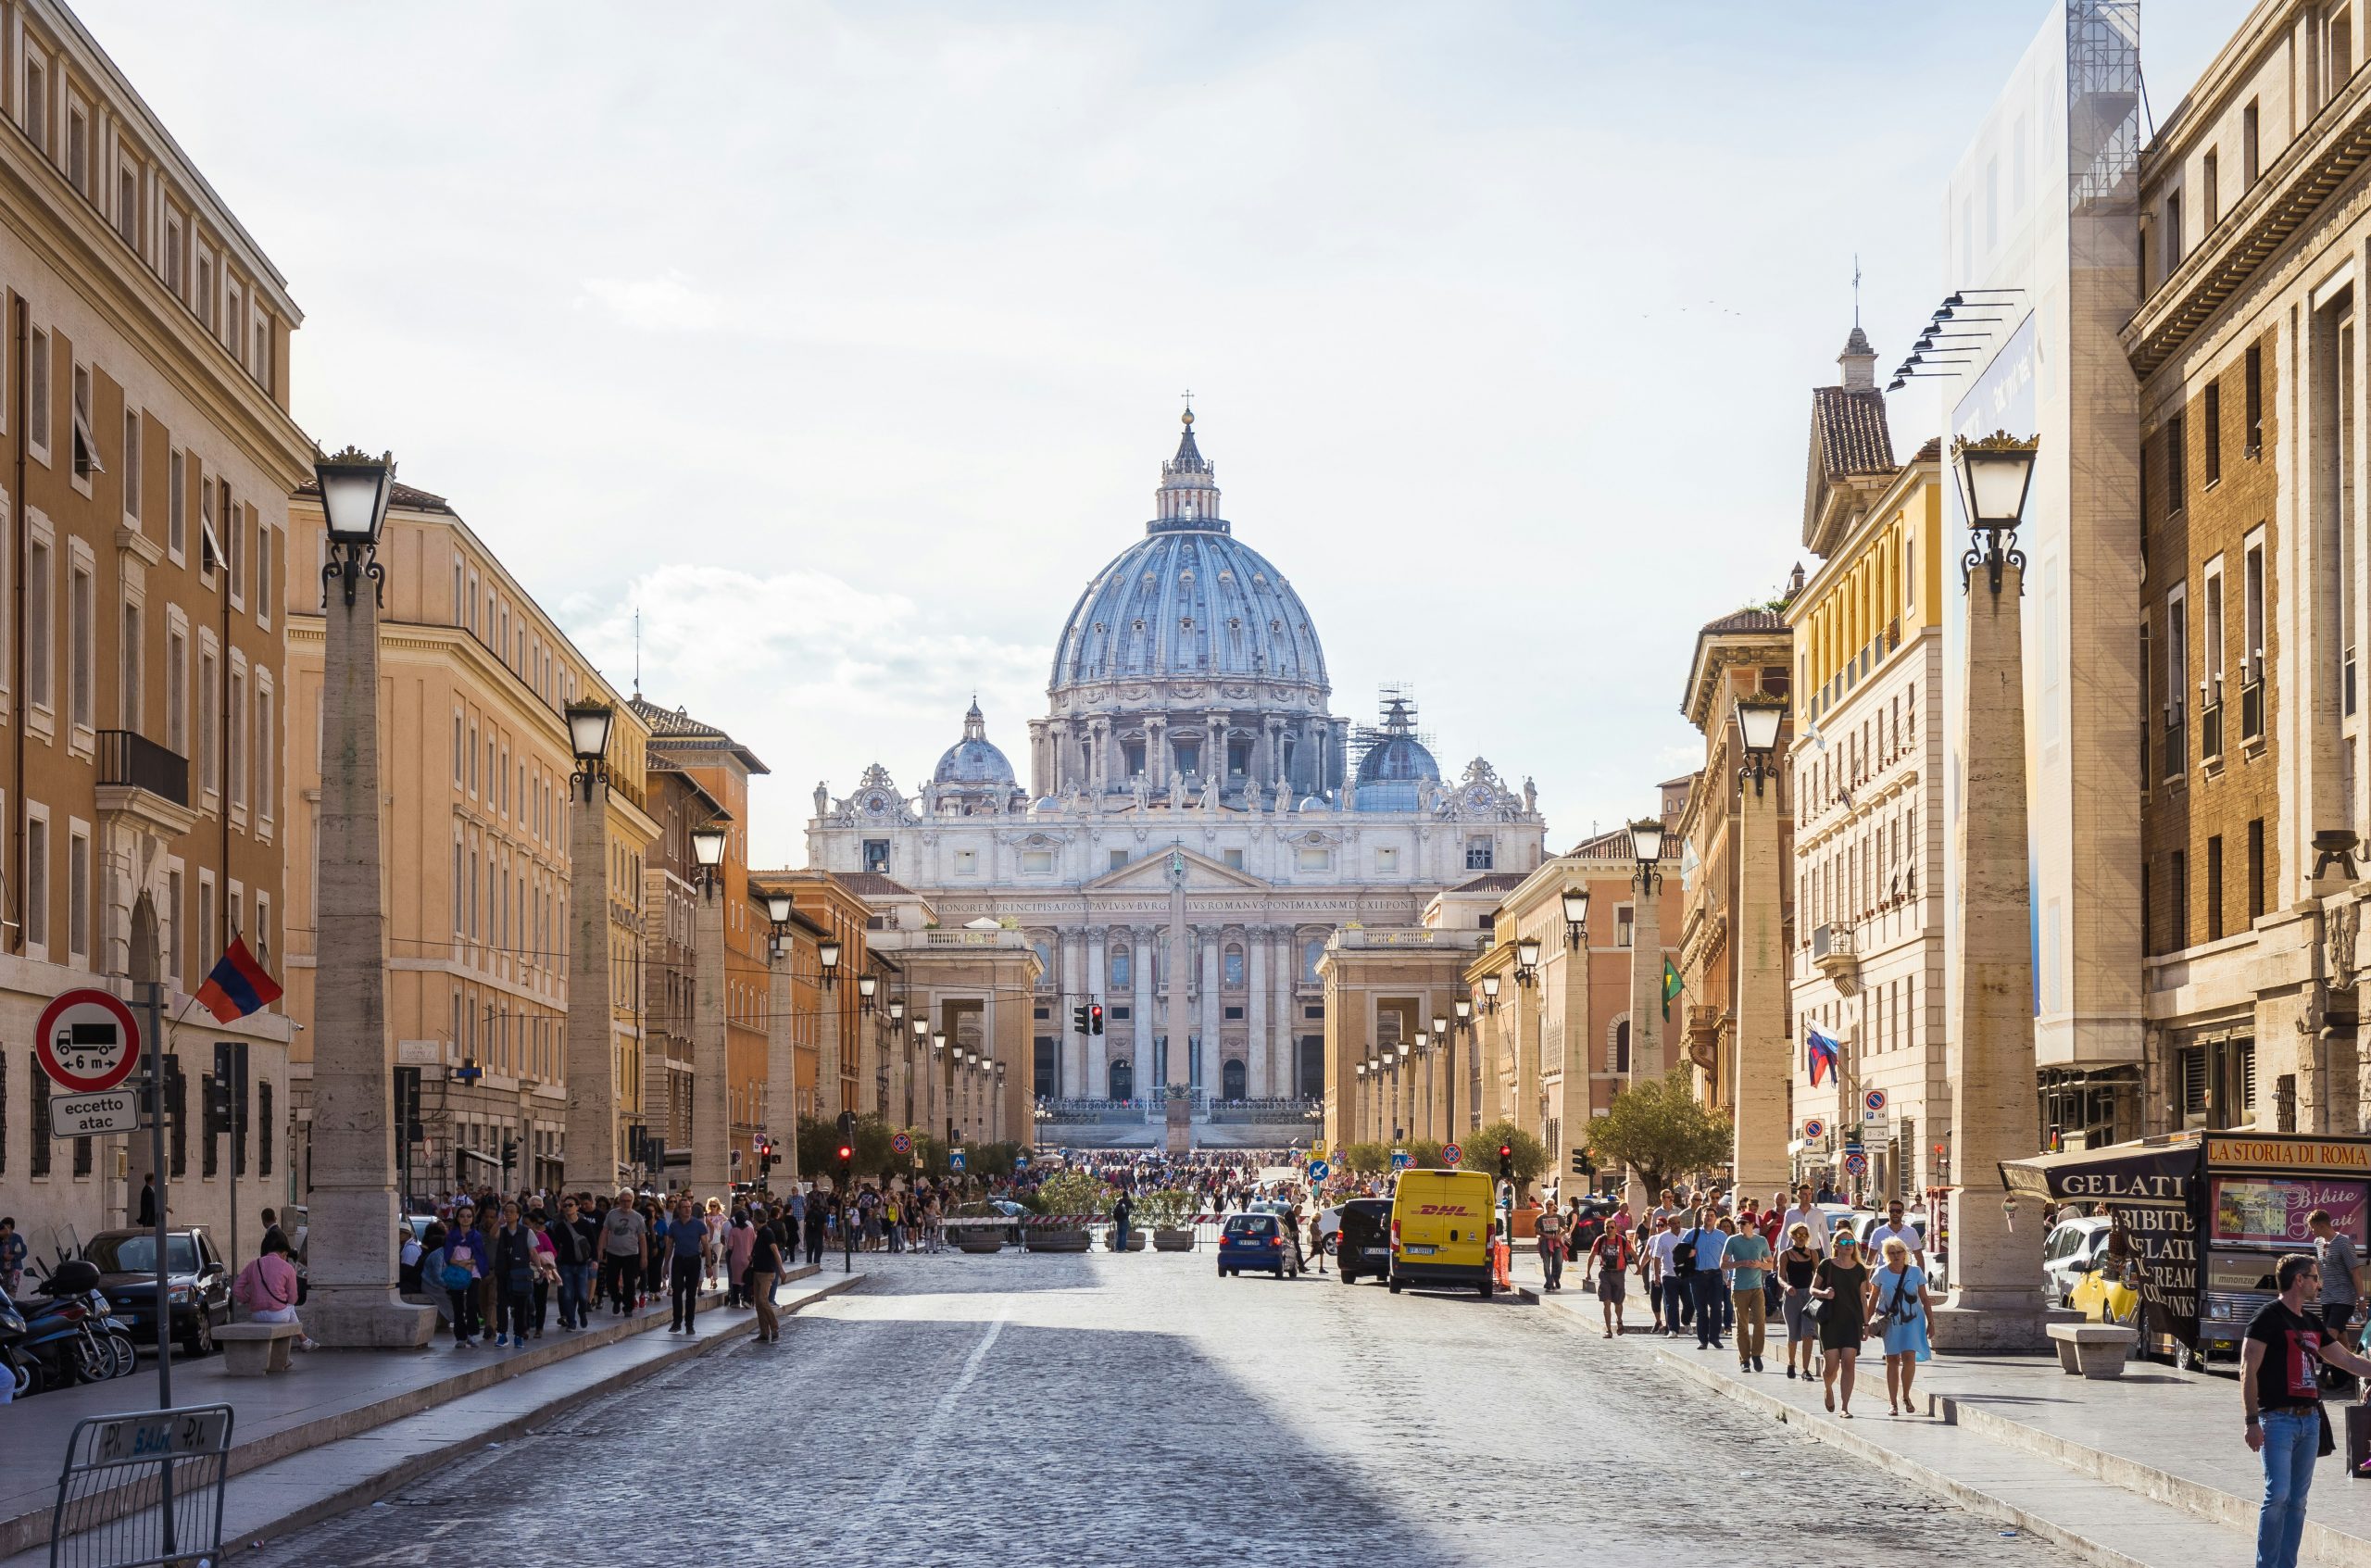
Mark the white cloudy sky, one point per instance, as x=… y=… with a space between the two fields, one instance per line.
x=845 y=341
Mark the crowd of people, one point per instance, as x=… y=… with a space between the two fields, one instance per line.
x=1724 y=1267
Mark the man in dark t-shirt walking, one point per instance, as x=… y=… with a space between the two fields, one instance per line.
x=2280 y=1385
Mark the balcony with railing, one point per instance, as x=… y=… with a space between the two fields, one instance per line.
x=145 y=780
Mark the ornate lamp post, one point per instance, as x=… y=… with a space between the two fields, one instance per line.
x=1762 y=1074
x=589 y=1155
x=1646 y=952
x=1992 y=1305
x=1528 y=961
x=355 y=1206
x=711 y=1102
x=782 y=1055
x=1359 y=1108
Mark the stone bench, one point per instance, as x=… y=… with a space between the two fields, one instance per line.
x=252 y=1349
x=2092 y=1349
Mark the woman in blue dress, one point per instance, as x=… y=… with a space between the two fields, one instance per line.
x=1898 y=1304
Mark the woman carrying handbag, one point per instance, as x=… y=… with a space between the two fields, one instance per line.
x=1899 y=1294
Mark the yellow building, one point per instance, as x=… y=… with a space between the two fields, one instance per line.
x=1865 y=775
x=474 y=676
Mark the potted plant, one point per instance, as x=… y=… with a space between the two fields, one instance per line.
x=978 y=1226
x=1072 y=1200
x=1169 y=1214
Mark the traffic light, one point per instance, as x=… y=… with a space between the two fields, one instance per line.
x=1078 y=1019
x=1095 y=1018
x=510 y=1153
x=1505 y=1162
x=1582 y=1164
x=848 y=1162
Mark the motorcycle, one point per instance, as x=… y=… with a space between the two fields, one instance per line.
x=65 y=1331
x=22 y=1368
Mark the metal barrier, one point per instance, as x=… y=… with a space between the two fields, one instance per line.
x=140 y=1491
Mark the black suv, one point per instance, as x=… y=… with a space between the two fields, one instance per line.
x=197 y=1286
x=1364 y=1251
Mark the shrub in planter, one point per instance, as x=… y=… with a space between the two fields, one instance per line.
x=1070 y=1194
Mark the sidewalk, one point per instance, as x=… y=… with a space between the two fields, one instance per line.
x=2148 y=1469
x=344 y=1421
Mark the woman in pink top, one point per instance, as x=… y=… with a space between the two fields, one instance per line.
x=266 y=1287
x=740 y=1239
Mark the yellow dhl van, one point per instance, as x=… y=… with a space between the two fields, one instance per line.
x=1441 y=1225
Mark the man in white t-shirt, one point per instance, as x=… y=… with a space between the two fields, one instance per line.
x=1669 y=1284
x=1893 y=1227
x=1806 y=1214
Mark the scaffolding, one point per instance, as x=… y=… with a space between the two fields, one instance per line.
x=2103 y=100
x=1395 y=703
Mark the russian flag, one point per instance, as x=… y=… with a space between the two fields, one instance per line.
x=1819 y=1053
x=238 y=985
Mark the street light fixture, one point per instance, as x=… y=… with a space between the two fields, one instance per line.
x=1576 y=916
x=707 y=852
x=1994 y=472
x=1441 y=1025
x=897 y=1010
x=1647 y=849
x=1464 y=1006
x=355 y=488
x=1490 y=993
x=828 y=952
x=588 y=738
x=1759 y=717
x=1526 y=960
x=866 y=985
x=938 y=1039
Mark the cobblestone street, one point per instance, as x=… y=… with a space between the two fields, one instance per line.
x=1100 y=1409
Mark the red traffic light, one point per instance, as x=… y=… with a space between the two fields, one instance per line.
x=846 y=1153
x=1506 y=1152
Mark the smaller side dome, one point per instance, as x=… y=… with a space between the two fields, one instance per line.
x=974 y=760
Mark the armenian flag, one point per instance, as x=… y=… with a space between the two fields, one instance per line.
x=1819 y=1052
x=238 y=985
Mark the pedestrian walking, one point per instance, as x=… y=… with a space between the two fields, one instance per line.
x=1745 y=1260
x=1701 y=1247
x=1902 y=1301
x=1797 y=1265
x=1124 y=1212
x=1550 y=1236
x=514 y=1279
x=625 y=1237
x=465 y=1260
x=2281 y=1390
x=740 y=1244
x=687 y=1241
x=765 y=1267
x=2341 y=1270
x=572 y=1259
x=1610 y=1254
x=1842 y=1287
x=147 y=1200
x=12 y=1256
x=1666 y=1287
x=1805 y=1210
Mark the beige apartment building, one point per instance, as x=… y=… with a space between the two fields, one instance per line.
x=474 y=676
x=148 y=447
x=2255 y=256
x=1866 y=768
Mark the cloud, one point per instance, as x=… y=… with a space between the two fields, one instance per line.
x=816 y=676
x=666 y=303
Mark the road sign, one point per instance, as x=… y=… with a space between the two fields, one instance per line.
x=1452 y=1155
x=1319 y=1170
x=1813 y=1127
x=955 y=1160
x=1317 y=1149
x=1021 y=1162
x=87 y=1041
x=1873 y=1102
x=903 y=1142
x=1400 y=1160
x=1856 y=1163
x=109 y=1110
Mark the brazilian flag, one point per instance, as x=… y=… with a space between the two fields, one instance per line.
x=1670 y=987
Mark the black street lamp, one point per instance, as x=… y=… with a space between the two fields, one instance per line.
x=897 y=1010
x=708 y=854
x=355 y=488
x=1647 y=849
x=589 y=737
x=1464 y=1006
x=1759 y=715
x=1994 y=472
x=827 y=952
x=1576 y=916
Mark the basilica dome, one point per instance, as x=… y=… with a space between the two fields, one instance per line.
x=974 y=760
x=1189 y=601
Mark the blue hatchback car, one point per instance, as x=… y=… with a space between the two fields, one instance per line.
x=1255 y=1241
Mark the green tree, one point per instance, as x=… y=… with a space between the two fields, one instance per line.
x=1365 y=1159
x=1660 y=1131
x=1481 y=1151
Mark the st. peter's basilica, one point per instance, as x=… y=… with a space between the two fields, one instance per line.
x=1194 y=808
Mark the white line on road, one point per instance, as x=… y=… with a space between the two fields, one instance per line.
x=893 y=1485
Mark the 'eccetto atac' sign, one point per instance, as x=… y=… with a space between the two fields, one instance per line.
x=2290 y=1154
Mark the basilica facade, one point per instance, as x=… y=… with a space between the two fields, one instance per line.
x=1197 y=822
